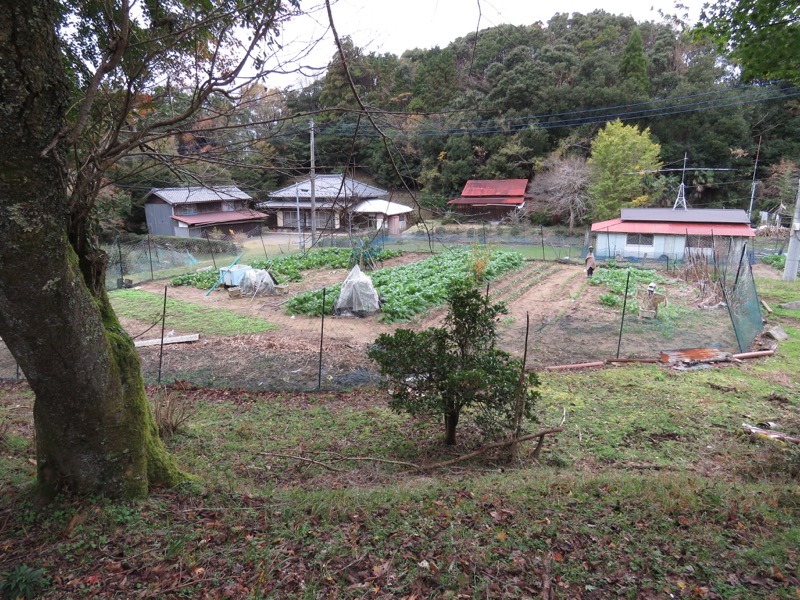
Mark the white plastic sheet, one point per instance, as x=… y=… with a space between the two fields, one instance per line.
x=358 y=296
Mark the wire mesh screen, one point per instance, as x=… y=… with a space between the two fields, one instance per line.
x=741 y=297
x=162 y=257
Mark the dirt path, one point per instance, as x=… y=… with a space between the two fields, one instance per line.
x=556 y=292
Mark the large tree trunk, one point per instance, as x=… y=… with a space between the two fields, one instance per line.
x=94 y=429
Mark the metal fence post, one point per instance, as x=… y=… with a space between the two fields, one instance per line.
x=161 y=348
x=150 y=256
x=541 y=233
x=624 y=306
x=321 y=338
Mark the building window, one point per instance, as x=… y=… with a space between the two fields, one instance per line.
x=699 y=241
x=209 y=207
x=639 y=239
x=289 y=218
x=324 y=219
x=186 y=209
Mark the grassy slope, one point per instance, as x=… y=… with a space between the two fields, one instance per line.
x=650 y=491
x=184 y=316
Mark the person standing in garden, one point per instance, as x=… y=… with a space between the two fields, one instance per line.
x=589 y=262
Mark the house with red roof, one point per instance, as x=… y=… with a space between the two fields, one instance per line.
x=192 y=211
x=491 y=199
x=670 y=233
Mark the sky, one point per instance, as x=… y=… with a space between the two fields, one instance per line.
x=397 y=25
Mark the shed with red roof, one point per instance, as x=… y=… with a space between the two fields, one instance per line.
x=666 y=233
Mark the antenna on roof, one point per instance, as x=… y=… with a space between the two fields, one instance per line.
x=681 y=199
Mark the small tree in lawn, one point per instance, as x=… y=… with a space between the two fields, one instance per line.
x=443 y=370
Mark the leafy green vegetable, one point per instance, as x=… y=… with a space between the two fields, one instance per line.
x=615 y=279
x=288 y=266
x=411 y=289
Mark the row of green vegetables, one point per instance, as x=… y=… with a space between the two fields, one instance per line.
x=616 y=280
x=411 y=289
x=287 y=267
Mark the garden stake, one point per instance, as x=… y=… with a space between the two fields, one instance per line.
x=624 y=304
x=161 y=348
x=519 y=409
x=150 y=255
x=121 y=268
x=211 y=249
x=541 y=232
x=261 y=235
x=321 y=337
x=739 y=269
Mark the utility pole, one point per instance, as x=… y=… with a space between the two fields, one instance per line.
x=313 y=191
x=793 y=255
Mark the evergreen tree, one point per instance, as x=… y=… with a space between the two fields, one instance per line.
x=633 y=64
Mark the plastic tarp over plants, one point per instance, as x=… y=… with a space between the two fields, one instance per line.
x=257 y=282
x=358 y=297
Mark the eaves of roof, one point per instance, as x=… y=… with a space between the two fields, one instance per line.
x=729 y=216
x=303 y=204
x=218 y=218
x=489 y=201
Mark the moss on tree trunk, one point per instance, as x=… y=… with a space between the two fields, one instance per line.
x=94 y=429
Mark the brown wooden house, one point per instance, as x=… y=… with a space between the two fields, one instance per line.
x=491 y=199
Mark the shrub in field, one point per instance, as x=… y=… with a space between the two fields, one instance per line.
x=170 y=411
x=480 y=258
x=443 y=370
x=610 y=300
x=777 y=261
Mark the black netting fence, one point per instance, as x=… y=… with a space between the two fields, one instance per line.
x=148 y=258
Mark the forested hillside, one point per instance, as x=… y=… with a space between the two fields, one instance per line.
x=510 y=102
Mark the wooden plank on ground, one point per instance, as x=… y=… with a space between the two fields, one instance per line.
x=694 y=355
x=175 y=339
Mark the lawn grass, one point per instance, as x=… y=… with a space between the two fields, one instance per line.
x=185 y=316
x=651 y=491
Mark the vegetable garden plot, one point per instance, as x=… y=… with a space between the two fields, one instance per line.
x=568 y=321
x=412 y=289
